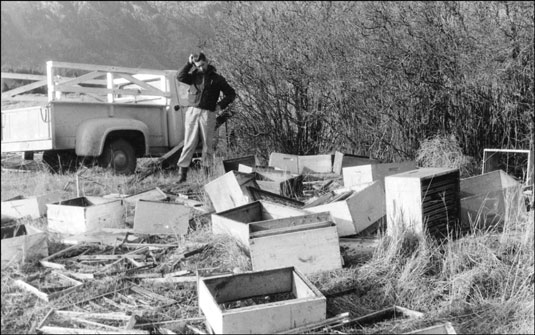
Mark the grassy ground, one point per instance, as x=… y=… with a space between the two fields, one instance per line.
x=482 y=283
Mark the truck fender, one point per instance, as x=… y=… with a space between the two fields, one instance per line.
x=91 y=134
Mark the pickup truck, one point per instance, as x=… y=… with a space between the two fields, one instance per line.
x=103 y=114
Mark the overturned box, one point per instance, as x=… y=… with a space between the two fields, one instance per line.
x=490 y=198
x=230 y=190
x=234 y=163
x=83 y=214
x=34 y=207
x=423 y=200
x=280 y=182
x=342 y=160
x=358 y=211
x=361 y=174
x=307 y=241
x=293 y=302
x=160 y=217
x=22 y=242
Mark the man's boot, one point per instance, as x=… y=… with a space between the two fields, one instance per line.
x=182 y=174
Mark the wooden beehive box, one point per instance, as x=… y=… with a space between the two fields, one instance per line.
x=34 y=207
x=235 y=221
x=490 y=198
x=280 y=182
x=22 y=242
x=358 y=211
x=361 y=174
x=83 y=214
x=422 y=200
x=230 y=190
x=298 y=164
x=307 y=241
x=234 y=163
x=342 y=160
x=293 y=302
x=160 y=217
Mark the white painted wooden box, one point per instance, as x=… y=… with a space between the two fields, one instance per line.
x=371 y=172
x=230 y=190
x=160 y=217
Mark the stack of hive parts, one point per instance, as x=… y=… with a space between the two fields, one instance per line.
x=358 y=211
x=230 y=190
x=83 y=214
x=278 y=236
x=288 y=300
x=490 y=198
x=423 y=200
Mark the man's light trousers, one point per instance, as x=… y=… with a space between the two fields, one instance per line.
x=199 y=124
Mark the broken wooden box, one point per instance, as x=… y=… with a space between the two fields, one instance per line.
x=490 y=198
x=234 y=163
x=357 y=212
x=22 y=242
x=230 y=190
x=307 y=241
x=280 y=182
x=160 y=217
x=83 y=214
x=34 y=207
x=260 y=302
x=259 y=195
x=371 y=172
x=423 y=200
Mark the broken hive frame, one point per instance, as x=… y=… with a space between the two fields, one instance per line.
x=68 y=285
x=306 y=306
x=83 y=214
x=423 y=200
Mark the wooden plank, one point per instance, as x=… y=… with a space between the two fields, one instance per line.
x=22 y=89
x=152 y=295
x=50 y=296
x=105 y=68
x=310 y=248
x=66 y=330
x=290 y=229
x=155 y=217
x=140 y=83
x=65 y=82
x=22 y=76
x=95 y=90
x=290 y=221
x=19 y=249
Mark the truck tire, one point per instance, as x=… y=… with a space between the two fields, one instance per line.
x=60 y=161
x=120 y=155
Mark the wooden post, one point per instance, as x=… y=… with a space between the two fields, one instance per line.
x=109 y=79
x=50 y=80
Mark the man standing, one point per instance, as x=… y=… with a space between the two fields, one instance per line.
x=205 y=86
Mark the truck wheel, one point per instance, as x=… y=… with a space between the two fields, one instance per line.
x=60 y=161
x=120 y=155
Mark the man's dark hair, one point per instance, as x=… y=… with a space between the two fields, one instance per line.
x=199 y=57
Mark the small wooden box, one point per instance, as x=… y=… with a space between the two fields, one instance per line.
x=422 y=200
x=342 y=160
x=34 y=207
x=280 y=182
x=357 y=212
x=367 y=173
x=299 y=164
x=305 y=305
x=236 y=221
x=159 y=217
x=230 y=190
x=18 y=246
x=80 y=215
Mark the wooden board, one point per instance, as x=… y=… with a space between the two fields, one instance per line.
x=34 y=207
x=315 y=164
x=342 y=160
x=19 y=249
x=230 y=190
x=368 y=173
x=284 y=162
x=308 y=306
x=311 y=249
x=157 y=217
x=259 y=195
x=280 y=182
x=84 y=214
x=423 y=200
x=154 y=194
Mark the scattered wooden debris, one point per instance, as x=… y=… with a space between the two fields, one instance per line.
x=306 y=306
x=50 y=286
x=22 y=242
x=80 y=215
x=423 y=200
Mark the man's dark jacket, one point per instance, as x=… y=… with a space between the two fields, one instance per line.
x=205 y=87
